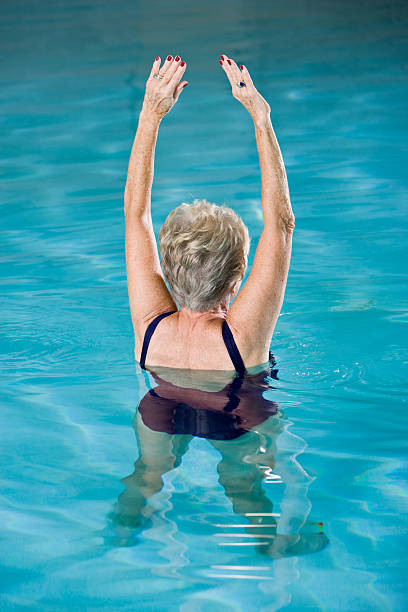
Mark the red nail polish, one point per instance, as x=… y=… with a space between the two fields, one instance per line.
x=182 y=63
x=157 y=58
x=229 y=61
x=177 y=58
x=241 y=67
x=169 y=58
x=220 y=62
x=222 y=57
x=185 y=84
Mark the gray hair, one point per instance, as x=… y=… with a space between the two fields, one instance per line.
x=204 y=251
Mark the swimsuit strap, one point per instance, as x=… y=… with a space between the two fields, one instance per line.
x=226 y=334
x=149 y=333
x=232 y=349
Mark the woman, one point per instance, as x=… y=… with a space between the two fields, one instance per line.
x=204 y=248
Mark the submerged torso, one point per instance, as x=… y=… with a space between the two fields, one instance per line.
x=217 y=405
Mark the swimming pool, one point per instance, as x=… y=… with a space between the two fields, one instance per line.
x=335 y=76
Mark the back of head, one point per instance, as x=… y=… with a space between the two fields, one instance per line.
x=204 y=251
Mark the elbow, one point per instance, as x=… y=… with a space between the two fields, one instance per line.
x=130 y=196
x=290 y=223
x=126 y=209
x=136 y=201
x=280 y=230
x=129 y=203
x=287 y=224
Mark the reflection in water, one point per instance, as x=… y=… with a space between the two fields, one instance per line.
x=243 y=426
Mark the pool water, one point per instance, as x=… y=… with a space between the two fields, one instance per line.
x=106 y=502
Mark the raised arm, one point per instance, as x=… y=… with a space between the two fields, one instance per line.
x=148 y=294
x=254 y=312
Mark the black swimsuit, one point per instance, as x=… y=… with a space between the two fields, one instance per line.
x=220 y=415
x=226 y=335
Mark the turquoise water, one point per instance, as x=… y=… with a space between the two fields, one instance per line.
x=86 y=522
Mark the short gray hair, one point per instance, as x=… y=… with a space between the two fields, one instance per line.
x=204 y=251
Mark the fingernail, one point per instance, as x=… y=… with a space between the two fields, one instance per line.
x=177 y=58
x=220 y=62
x=229 y=61
x=157 y=58
x=168 y=58
x=182 y=63
x=241 y=67
x=222 y=57
x=185 y=84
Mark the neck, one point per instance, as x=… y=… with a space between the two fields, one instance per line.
x=193 y=315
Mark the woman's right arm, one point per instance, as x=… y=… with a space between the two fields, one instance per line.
x=254 y=312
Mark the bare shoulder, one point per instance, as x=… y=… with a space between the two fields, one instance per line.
x=252 y=350
x=144 y=322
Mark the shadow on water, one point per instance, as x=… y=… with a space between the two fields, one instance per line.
x=243 y=426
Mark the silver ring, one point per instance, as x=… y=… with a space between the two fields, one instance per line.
x=158 y=76
x=241 y=84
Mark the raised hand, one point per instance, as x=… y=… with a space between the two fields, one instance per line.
x=248 y=95
x=162 y=94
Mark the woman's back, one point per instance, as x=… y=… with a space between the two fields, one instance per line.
x=201 y=341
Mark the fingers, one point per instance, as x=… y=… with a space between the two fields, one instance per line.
x=178 y=89
x=172 y=70
x=231 y=69
x=234 y=74
x=168 y=62
x=178 y=70
x=168 y=68
x=155 y=67
x=246 y=77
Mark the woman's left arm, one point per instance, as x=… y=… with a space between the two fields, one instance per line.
x=148 y=294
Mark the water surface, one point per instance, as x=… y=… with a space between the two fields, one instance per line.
x=334 y=449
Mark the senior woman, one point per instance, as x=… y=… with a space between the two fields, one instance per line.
x=204 y=248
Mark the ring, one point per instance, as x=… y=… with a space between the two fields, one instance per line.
x=158 y=76
x=241 y=84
